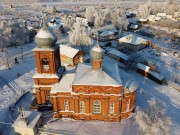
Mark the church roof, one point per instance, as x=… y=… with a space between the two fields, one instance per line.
x=64 y=85
x=85 y=75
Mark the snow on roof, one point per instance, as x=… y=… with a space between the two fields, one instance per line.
x=45 y=34
x=133 y=26
x=161 y=14
x=46 y=76
x=119 y=54
x=68 y=51
x=143 y=67
x=132 y=39
x=97 y=48
x=85 y=75
x=152 y=18
x=158 y=76
x=64 y=85
x=45 y=49
x=30 y=27
x=55 y=25
x=32 y=118
x=158 y=18
x=143 y=20
x=114 y=30
x=132 y=85
x=106 y=33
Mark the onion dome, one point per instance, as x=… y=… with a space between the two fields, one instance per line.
x=45 y=38
x=97 y=52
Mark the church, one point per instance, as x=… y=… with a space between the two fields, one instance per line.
x=94 y=92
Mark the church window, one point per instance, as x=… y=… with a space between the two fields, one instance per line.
x=127 y=105
x=97 y=106
x=111 y=107
x=45 y=64
x=66 y=105
x=82 y=107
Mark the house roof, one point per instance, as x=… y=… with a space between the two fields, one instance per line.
x=64 y=85
x=132 y=39
x=85 y=75
x=143 y=67
x=32 y=118
x=106 y=33
x=119 y=54
x=161 y=14
x=68 y=51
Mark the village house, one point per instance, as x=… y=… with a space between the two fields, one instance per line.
x=70 y=56
x=133 y=42
x=145 y=71
x=105 y=35
x=94 y=92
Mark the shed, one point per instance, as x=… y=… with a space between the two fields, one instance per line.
x=117 y=55
x=145 y=71
x=69 y=56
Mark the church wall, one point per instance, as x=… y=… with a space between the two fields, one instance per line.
x=99 y=89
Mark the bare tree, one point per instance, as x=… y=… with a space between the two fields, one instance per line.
x=153 y=120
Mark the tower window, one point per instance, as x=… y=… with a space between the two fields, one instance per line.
x=97 y=106
x=82 y=107
x=45 y=64
x=66 y=105
x=111 y=108
x=127 y=105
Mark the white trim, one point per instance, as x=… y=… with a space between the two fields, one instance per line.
x=66 y=105
x=111 y=108
x=82 y=107
x=97 y=108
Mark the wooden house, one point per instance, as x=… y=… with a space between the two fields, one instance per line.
x=69 y=56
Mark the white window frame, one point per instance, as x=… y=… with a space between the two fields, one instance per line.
x=97 y=106
x=127 y=105
x=111 y=107
x=66 y=105
x=82 y=107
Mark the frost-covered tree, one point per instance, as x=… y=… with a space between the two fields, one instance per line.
x=153 y=121
x=144 y=11
x=90 y=14
x=118 y=19
x=68 y=21
x=13 y=33
x=99 y=19
x=79 y=36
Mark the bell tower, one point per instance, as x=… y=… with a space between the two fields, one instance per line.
x=49 y=69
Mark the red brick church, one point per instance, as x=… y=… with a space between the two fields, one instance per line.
x=94 y=92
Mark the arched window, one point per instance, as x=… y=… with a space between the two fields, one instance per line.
x=82 y=110
x=45 y=64
x=97 y=106
x=66 y=105
x=111 y=108
x=127 y=105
